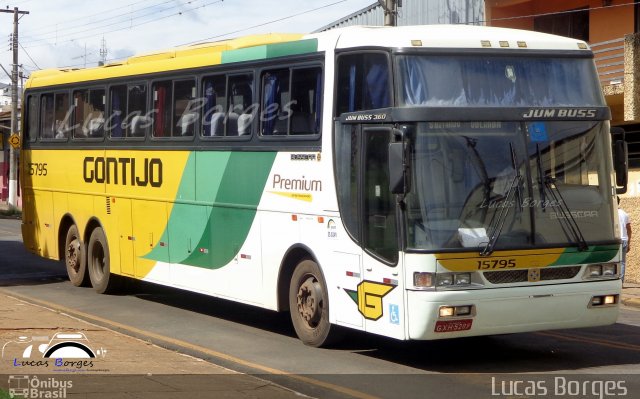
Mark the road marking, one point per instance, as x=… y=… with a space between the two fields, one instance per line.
x=582 y=339
x=105 y=323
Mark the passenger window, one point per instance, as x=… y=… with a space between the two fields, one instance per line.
x=306 y=100
x=291 y=102
x=62 y=116
x=185 y=108
x=32 y=118
x=363 y=82
x=128 y=106
x=214 y=108
x=47 y=118
x=162 y=94
x=89 y=113
x=118 y=109
x=137 y=120
x=242 y=110
x=276 y=100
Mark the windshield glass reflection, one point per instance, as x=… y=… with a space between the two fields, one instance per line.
x=495 y=185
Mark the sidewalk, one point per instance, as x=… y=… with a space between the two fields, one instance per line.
x=631 y=294
x=123 y=367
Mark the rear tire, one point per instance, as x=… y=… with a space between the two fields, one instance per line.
x=102 y=280
x=309 y=305
x=75 y=258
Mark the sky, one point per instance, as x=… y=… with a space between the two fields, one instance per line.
x=69 y=33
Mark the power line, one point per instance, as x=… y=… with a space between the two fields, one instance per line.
x=142 y=23
x=28 y=55
x=129 y=22
x=220 y=35
x=264 y=23
x=70 y=23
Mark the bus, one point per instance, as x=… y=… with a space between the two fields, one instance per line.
x=419 y=182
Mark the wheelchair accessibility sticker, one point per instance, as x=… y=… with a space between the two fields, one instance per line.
x=394 y=314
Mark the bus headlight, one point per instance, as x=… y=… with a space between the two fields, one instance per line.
x=456 y=311
x=594 y=271
x=601 y=270
x=453 y=279
x=609 y=269
x=603 y=301
x=444 y=279
x=462 y=279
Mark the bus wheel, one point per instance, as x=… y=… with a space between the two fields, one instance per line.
x=102 y=280
x=309 y=305
x=75 y=258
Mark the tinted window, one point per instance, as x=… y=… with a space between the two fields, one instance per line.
x=292 y=100
x=89 y=113
x=363 y=82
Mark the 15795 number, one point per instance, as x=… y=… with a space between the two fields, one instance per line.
x=39 y=169
x=496 y=264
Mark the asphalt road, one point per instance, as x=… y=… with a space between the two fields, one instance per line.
x=258 y=341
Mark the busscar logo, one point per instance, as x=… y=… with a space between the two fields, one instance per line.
x=564 y=113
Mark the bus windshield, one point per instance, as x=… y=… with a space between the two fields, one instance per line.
x=498 y=185
x=487 y=80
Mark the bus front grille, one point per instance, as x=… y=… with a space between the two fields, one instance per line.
x=519 y=276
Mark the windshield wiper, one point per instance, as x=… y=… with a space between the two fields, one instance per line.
x=558 y=203
x=541 y=183
x=497 y=223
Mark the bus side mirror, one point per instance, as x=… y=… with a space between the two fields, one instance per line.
x=621 y=165
x=398 y=168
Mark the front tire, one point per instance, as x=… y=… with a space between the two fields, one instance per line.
x=102 y=280
x=75 y=258
x=309 y=305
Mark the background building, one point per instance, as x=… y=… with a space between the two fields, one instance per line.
x=418 y=12
x=5 y=97
x=611 y=27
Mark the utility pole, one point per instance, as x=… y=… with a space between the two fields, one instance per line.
x=103 y=52
x=390 y=12
x=13 y=152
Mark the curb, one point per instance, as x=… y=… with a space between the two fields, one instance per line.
x=632 y=302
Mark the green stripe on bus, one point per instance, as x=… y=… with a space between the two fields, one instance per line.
x=595 y=254
x=270 y=51
x=211 y=233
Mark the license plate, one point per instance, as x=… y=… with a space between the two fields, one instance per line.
x=453 y=325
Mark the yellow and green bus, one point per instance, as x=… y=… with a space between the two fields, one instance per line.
x=419 y=182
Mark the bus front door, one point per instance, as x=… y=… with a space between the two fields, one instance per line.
x=382 y=288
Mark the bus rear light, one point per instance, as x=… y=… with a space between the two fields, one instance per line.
x=603 y=300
